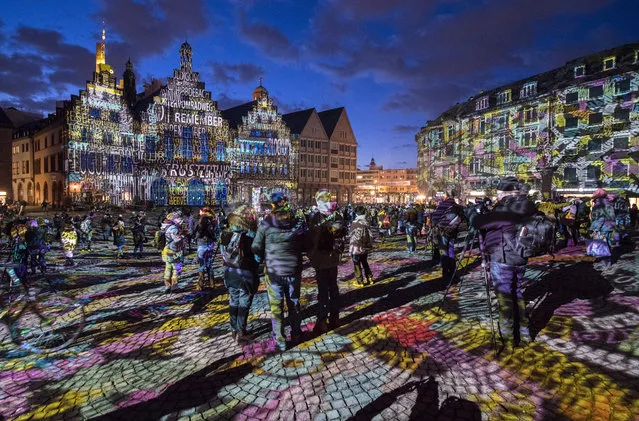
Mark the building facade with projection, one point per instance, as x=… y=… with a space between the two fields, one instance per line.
x=567 y=131
x=262 y=154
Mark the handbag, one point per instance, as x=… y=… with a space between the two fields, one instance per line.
x=598 y=248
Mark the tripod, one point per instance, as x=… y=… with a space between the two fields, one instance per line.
x=485 y=274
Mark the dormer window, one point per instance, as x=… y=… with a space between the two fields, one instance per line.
x=609 y=63
x=580 y=71
x=504 y=97
x=529 y=89
x=482 y=103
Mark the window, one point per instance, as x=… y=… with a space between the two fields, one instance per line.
x=621 y=142
x=500 y=122
x=94 y=113
x=15 y=168
x=187 y=143
x=46 y=142
x=570 y=174
x=26 y=149
x=482 y=103
x=530 y=115
x=572 y=97
x=52 y=139
x=436 y=135
x=107 y=138
x=594 y=145
x=204 y=147
x=113 y=116
x=596 y=92
x=52 y=163
x=502 y=142
x=529 y=139
x=620 y=169
x=593 y=172
x=595 y=118
x=482 y=126
x=622 y=87
x=622 y=114
x=451 y=132
x=529 y=89
x=571 y=122
x=580 y=71
x=609 y=63
x=477 y=165
x=504 y=97
x=46 y=164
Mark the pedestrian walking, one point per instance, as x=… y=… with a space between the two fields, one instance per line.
x=86 y=233
x=360 y=244
x=241 y=274
x=325 y=246
x=69 y=239
x=138 y=237
x=279 y=243
x=173 y=251
x=118 y=237
x=205 y=235
x=107 y=223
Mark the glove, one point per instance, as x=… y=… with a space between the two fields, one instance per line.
x=258 y=259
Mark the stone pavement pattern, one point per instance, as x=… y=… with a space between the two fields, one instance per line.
x=396 y=356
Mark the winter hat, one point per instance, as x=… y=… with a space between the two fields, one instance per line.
x=599 y=193
x=323 y=195
x=279 y=201
x=174 y=217
x=509 y=184
x=206 y=211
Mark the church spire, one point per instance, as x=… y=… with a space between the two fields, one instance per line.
x=100 y=47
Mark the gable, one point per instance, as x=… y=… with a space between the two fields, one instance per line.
x=314 y=122
x=343 y=131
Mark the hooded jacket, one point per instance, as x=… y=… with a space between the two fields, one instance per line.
x=501 y=228
x=279 y=242
x=360 y=238
x=324 y=238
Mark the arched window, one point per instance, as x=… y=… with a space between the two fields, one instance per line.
x=221 y=195
x=38 y=193
x=30 y=192
x=220 y=152
x=45 y=192
x=204 y=147
x=195 y=193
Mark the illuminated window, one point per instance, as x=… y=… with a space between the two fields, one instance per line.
x=477 y=165
x=609 y=63
x=529 y=89
x=502 y=142
x=580 y=71
x=451 y=132
x=168 y=145
x=187 y=143
x=530 y=115
x=482 y=103
x=504 y=97
x=529 y=139
x=204 y=147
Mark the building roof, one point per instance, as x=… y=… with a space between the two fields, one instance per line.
x=234 y=115
x=12 y=117
x=297 y=120
x=330 y=118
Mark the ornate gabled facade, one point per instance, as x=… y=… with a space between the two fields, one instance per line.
x=569 y=130
x=263 y=157
x=184 y=161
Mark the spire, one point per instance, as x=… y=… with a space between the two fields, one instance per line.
x=372 y=165
x=186 y=57
x=260 y=91
x=100 y=47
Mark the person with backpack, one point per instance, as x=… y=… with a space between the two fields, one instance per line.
x=205 y=234
x=86 y=233
x=241 y=275
x=500 y=229
x=411 y=227
x=68 y=240
x=325 y=246
x=360 y=244
x=602 y=227
x=173 y=250
x=445 y=221
x=118 y=237
x=279 y=243
x=138 y=237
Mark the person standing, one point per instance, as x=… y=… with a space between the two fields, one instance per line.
x=326 y=244
x=87 y=232
x=410 y=227
x=507 y=265
x=446 y=220
x=241 y=274
x=118 y=237
x=173 y=251
x=602 y=227
x=360 y=244
x=68 y=238
x=107 y=223
x=205 y=234
x=633 y=216
x=138 y=237
x=279 y=242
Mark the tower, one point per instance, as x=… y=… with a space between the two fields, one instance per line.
x=186 y=57
x=130 y=93
x=260 y=92
x=100 y=54
x=372 y=165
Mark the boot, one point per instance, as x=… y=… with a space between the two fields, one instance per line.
x=200 y=281
x=333 y=322
x=369 y=280
x=320 y=327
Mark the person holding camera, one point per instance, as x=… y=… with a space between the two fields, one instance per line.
x=446 y=220
x=507 y=265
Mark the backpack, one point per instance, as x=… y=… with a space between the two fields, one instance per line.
x=535 y=236
x=449 y=223
x=232 y=252
x=159 y=240
x=386 y=222
x=582 y=210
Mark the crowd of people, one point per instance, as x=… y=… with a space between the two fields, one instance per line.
x=275 y=242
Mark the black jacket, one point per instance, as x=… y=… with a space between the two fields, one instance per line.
x=500 y=228
x=280 y=242
x=326 y=240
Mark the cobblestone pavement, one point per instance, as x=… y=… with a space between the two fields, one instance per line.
x=396 y=356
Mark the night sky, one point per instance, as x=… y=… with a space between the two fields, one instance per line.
x=393 y=64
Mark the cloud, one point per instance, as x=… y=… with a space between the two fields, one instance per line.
x=224 y=101
x=227 y=73
x=285 y=108
x=268 y=39
x=405 y=129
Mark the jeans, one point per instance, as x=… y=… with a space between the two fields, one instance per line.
x=140 y=247
x=240 y=300
x=327 y=294
x=506 y=280
x=284 y=288
x=411 y=231
x=204 y=255
x=447 y=256
x=360 y=262
x=106 y=233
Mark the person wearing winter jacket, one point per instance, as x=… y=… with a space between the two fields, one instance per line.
x=87 y=233
x=445 y=220
x=360 y=244
x=411 y=227
x=118 y=237
x=138 y=237
x=507 y=265
x=68 y=239
x=173 y=251
x=325 y=244
x=241 y=275
x=279 y=242
x=205 y=234
x=107 y=223
x=602 y=225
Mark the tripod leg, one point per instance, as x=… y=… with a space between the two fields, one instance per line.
x=457 y=266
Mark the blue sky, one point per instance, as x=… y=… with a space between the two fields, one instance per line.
x=393 y=64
